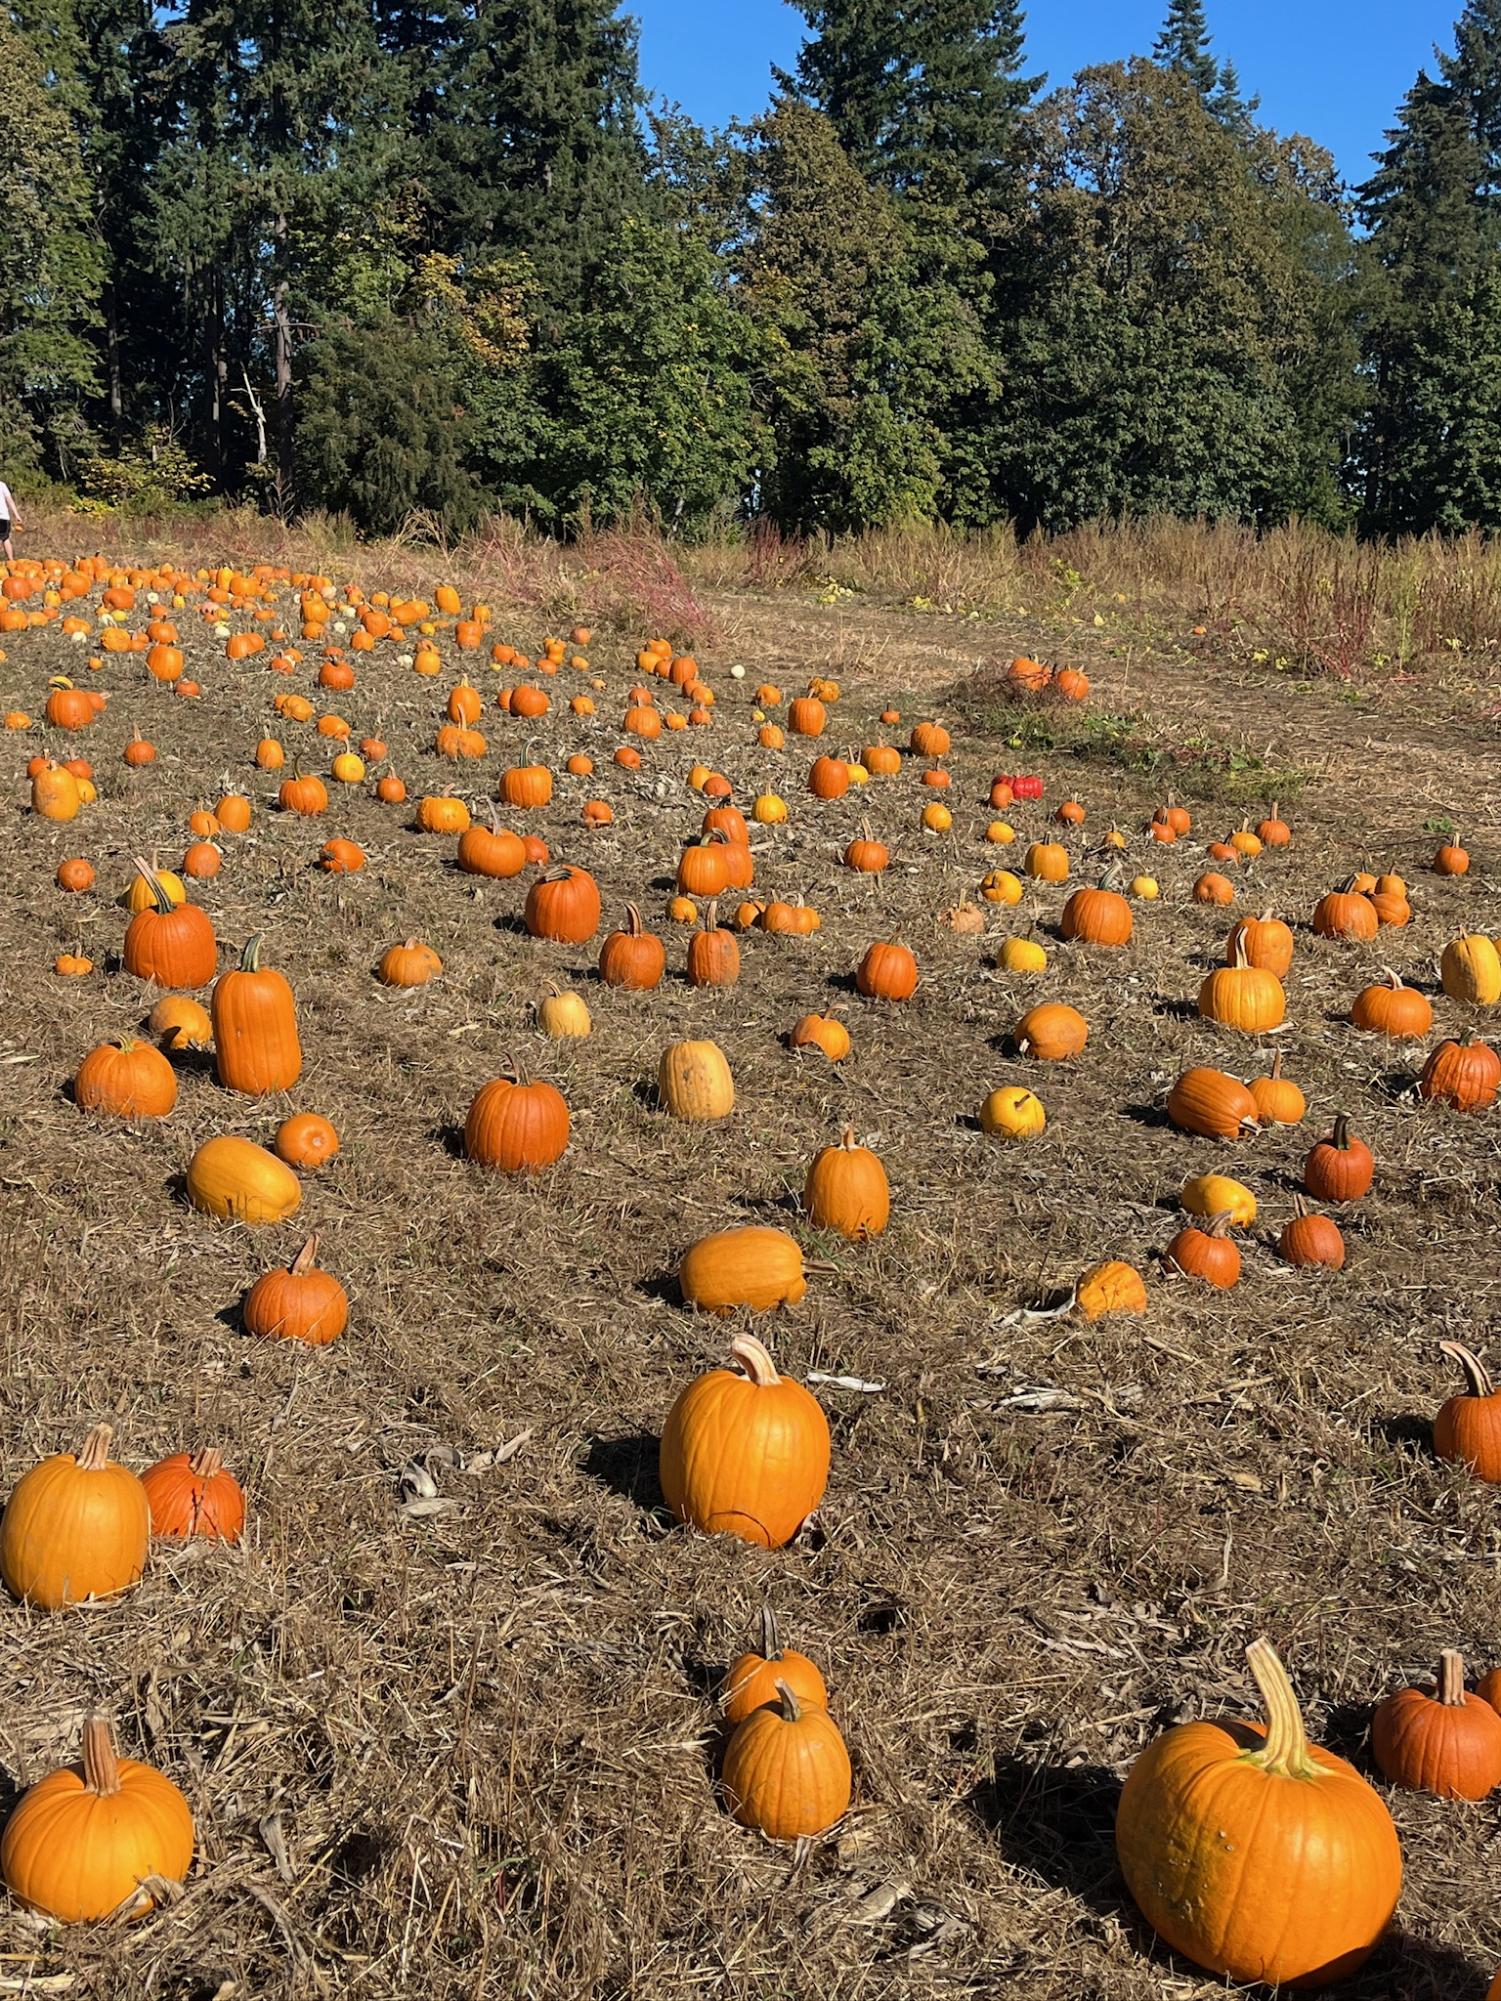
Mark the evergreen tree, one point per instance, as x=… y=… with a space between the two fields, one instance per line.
x=919 y=93
x=1183 y=45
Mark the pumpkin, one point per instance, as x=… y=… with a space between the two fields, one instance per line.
x=1053 y=1032
x=1451 y=859
x=634 y=958
x=127 y=1079
x=84 y=1840
x=1242 y=996
x=306 y=1140
x=563 y=1015
x=72 y=965
x=192 y=1496
x=867 y=855
x=515 y=1126
x=1273 y=831
x=1279 y=1101
x=887 y=972
x=1467 y=1430
x=1022 y=955
x=493 y=851
x=1098 y=916
x=744 y=1451
x=694 y=1082
x=1013 y=1112
x=930 y=739
x=409 y=964
x=1211 y=1255
x=1047 y=861
x=1346 y=913
x=527 y=786
x=304 y=792
x=1265 y=942
x=828 y=777
x=1212 y=887
x=179 y=1022
x=751 y=1679
x=1340 y=1168
x=1111 y=1287
x=786 y=1769
x=1255 y=1854
x=1209 y=1103
x=823 y=1032
x=563 y=905
x=300 y=1303
x=1210 y=1195
x=256 y=1048
x=437 y=813
x=847 y=1189
x=713 y=954
x=75 y=875
x=752 y=1266
x=1439 y=1740
x=171 y=945
x=1310 y=1239
x=236 y=1180
x=1463 y=1073
x=1390 y=1008
x=807 y=716
x=75 y=1527
x=1470 y=970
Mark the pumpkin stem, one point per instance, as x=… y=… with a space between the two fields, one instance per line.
x=1276 y=1069
x=771 y=1639
x=711 y=919
x=791 y=1713
x=754 y=1360
x=632 y=921
x=207 y=1461
x=1285 y=1753
x=847 y=1139
x=1219 y=1225
x=1242 y=963
x=1476 y=1373
x=159 y=896
x=305 y=1258
x=250 y=958
x=1340 y=1137
x=101 y=1767
x=93 y=1456
x=1450 y=1679
x=1394 y=977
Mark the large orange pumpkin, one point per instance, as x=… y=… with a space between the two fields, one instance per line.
x=744 y=1451
x=256 y=1049
x=75 y=1527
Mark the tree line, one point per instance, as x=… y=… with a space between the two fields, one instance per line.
x=389 y=256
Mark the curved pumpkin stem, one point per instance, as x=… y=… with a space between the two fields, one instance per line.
x=159 y=896
x=1476 y=1373
x=791 y=1712
x=771 y=1639
x=1340 y=1137
x=847 y=1140
x=93 y=1454
x=1285 y=1753
x=711 y=916
x=633 y=925
x=1275 y=1073
x=755 y=1360
x=1242 y=962
x=250 y=958
x=207 y=1461
x=305 y=1258
x=101 y=1767
x=1450 y=1679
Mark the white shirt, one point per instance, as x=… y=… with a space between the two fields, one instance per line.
x=7 y=504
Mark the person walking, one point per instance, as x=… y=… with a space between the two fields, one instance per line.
x=8 y=519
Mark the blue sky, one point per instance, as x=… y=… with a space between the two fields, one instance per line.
x=1335 y=69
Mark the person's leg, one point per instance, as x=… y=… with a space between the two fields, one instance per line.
x=9 y=547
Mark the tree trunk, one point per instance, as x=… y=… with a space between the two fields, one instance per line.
x=284 y=412
x=112 y=364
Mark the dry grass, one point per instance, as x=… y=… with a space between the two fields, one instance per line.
x=472 y=1752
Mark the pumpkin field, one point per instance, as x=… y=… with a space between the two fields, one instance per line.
x=800 y=1264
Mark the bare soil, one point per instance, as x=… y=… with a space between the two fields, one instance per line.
x=471 y=1751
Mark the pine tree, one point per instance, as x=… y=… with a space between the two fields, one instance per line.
x=919 y=93
x=1184 y=45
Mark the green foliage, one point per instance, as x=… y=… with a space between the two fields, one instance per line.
x=154 y=474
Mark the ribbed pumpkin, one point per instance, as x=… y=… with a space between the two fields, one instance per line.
x=1243 y=996
x=238 y=1181
x=127 y=1079
x=847 y=1189
x=191 y=1496
x=1211 y=1255
x=1309 y=1239
x=493 y=851
x=172 y=945
x=1470 y=970
x=1218 y=1195
x=1255 y=1854
x=1098 y=916
x=1467 y=1430
x=887 y=972
x=633 y=958
x=301 y=1302
x=1463 y=1073
x=1439 y=1740
x=1052 y=1032
x=1340 y=1168
x=76 y=1526
x=1390 y=1008
x=752 y=1266
x=786 y=1769
x=713 y=954
x=1346 y=913
x=563 y=905
x=516 y=1126
x=83 y=1840
x=256 y=1049
x=745 y=1452
x=1279 y=1101
x=1209 y=1103
x=1111 y=1287
x=751 y=1680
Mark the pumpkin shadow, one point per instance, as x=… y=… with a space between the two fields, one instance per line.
x=1404 y=1968
x=450 y=1138
x=1058 y=1822
x=1411 y=1432
x=1146 y=1115
x=513 y=922
x=628 y=1466
x=1175 y=1007
x=1347 y=1732
x=11 y=1790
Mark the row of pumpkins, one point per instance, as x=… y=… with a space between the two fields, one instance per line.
x=786 y=1768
